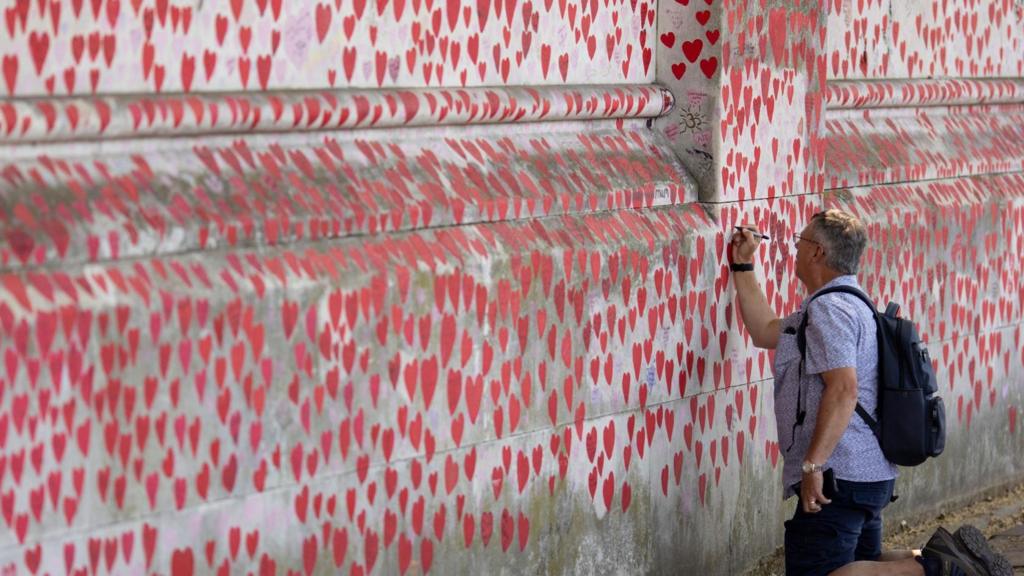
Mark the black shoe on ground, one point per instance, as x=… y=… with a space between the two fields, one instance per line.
x=955 y=557
x=949 y=556
x=996 y=564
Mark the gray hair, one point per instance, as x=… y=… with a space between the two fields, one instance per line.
x=842 y=236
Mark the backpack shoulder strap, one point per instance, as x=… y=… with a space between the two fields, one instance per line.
x=802 y=338
x=848 y=290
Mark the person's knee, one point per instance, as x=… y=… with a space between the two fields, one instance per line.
x=894 y=555
x=902 y=567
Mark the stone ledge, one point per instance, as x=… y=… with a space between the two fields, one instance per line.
x=894 y=145
x=141 y=198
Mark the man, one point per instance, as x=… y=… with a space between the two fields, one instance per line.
x=831 y=458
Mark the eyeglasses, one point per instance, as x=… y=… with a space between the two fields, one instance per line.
x=797 y=238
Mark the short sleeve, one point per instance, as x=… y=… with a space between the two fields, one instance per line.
x=832 y=335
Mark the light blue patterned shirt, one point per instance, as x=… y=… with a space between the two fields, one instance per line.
x=841 y=333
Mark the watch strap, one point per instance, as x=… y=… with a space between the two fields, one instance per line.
x=809 y=467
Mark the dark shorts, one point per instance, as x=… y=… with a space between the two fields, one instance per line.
x=848 y=529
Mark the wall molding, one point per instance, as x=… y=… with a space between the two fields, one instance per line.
x=861 y=94
x=31 y=120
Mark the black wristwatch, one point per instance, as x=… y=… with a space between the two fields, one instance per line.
x=738 y=267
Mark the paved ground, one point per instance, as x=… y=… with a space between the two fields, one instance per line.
x=1000 y=516
x=1011 y=544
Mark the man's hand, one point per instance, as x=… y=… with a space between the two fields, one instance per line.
x=812 y=497
x=744 y=244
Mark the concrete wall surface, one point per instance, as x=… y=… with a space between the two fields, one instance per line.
x=399 y=287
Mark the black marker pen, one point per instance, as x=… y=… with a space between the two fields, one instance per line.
x=755 y=233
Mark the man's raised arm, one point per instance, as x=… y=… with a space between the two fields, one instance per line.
x=758 y=317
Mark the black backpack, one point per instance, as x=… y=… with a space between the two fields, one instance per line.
x=911 y=425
